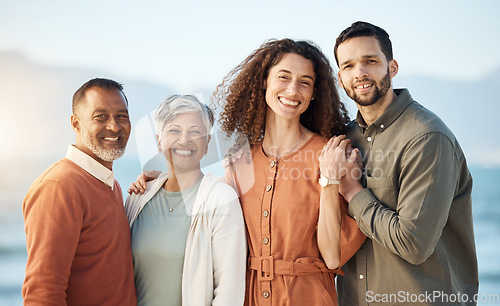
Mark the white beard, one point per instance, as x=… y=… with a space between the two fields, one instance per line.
x=104 y=154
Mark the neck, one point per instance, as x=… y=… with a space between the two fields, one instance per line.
x=372 y=112
x=80 y=146
x=281 y=135
x=182 y=181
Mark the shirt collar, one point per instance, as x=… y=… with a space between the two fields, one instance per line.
x=90 y=165
x=392 y=112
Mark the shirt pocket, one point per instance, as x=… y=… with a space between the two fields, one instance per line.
x=384 y=189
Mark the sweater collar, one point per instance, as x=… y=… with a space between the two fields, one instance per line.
x=90 y=165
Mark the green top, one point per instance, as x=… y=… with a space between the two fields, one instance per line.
x=416 y=211
x=158 y=246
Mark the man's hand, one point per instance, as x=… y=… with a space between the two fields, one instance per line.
x=350 y=184
x=140 y=184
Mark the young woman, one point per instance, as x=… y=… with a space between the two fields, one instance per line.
x=188 y=236
x=282 y=99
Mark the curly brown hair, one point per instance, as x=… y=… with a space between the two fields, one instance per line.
x=242 y=92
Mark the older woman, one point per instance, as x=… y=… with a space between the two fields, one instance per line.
x=282 y=99
x=188 y=236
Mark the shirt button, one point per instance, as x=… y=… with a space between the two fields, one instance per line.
x=269 y=187
x=266 y=294
x=265 y=240
x=368 y=138
x=361 y=276
x=382 y=126
x=273 y=163
x=265 y=213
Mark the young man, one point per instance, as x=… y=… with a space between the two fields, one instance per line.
x=414 y=202
x=77 y=234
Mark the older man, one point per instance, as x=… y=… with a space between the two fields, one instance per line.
x=77 y=234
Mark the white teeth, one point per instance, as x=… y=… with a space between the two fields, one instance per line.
x=111 y=138
x=183 y=152
x=363 y=86
x=289 y=102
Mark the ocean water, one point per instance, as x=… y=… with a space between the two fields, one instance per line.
x=486 y=210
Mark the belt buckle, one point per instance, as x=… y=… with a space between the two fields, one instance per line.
x=260 y=273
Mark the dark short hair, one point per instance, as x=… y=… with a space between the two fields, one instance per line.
x=360 y=29
x=79 y=95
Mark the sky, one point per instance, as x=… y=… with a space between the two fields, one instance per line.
x=190 y=45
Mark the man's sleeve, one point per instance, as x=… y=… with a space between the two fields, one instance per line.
x=427 y=184
x=53 y=221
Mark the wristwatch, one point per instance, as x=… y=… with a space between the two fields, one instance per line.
x=324 y=181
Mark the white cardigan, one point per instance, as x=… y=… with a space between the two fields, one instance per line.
x=215 y=256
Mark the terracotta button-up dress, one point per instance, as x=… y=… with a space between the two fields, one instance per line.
x=280 y=202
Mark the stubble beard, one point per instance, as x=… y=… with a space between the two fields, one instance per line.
x=378 y=94
x=107 y=155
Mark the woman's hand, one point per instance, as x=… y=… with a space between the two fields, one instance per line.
x=337 y=158
x=140 y=184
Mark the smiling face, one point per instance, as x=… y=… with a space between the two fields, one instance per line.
x=184 y=139
x=290 y=86
x=102 y=125
x=364 y=72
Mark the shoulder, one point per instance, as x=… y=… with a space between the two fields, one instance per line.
x=63 y=175
x=421 y=122
x=61 y=186
x=316 y=143
x=217 y=192
x=134 y=200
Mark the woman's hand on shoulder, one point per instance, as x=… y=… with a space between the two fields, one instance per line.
x=139 y=186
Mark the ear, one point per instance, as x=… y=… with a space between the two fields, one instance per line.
x=75 y=124
x=393 y=68
x=208 y=141
x=158 y=142
x=339 y=80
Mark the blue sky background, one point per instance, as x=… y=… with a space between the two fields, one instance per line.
x=190 y=45
x=447 y=53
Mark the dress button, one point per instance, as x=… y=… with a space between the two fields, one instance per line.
x=266 y=294
x=265 y=213
x=361 y=276
x=269 y=187
x=265 y=240
x=368 y=138
x=273 y=163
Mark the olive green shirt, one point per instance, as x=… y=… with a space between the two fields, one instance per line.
x=416 y=211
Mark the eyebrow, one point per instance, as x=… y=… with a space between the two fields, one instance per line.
x=176 y=125
x=304 y=76
x=363 y=57
x=102 y=110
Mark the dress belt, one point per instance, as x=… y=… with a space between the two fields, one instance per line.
x=267 y=267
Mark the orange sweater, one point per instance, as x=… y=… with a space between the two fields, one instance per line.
x=78 y=241
x=280 y=202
